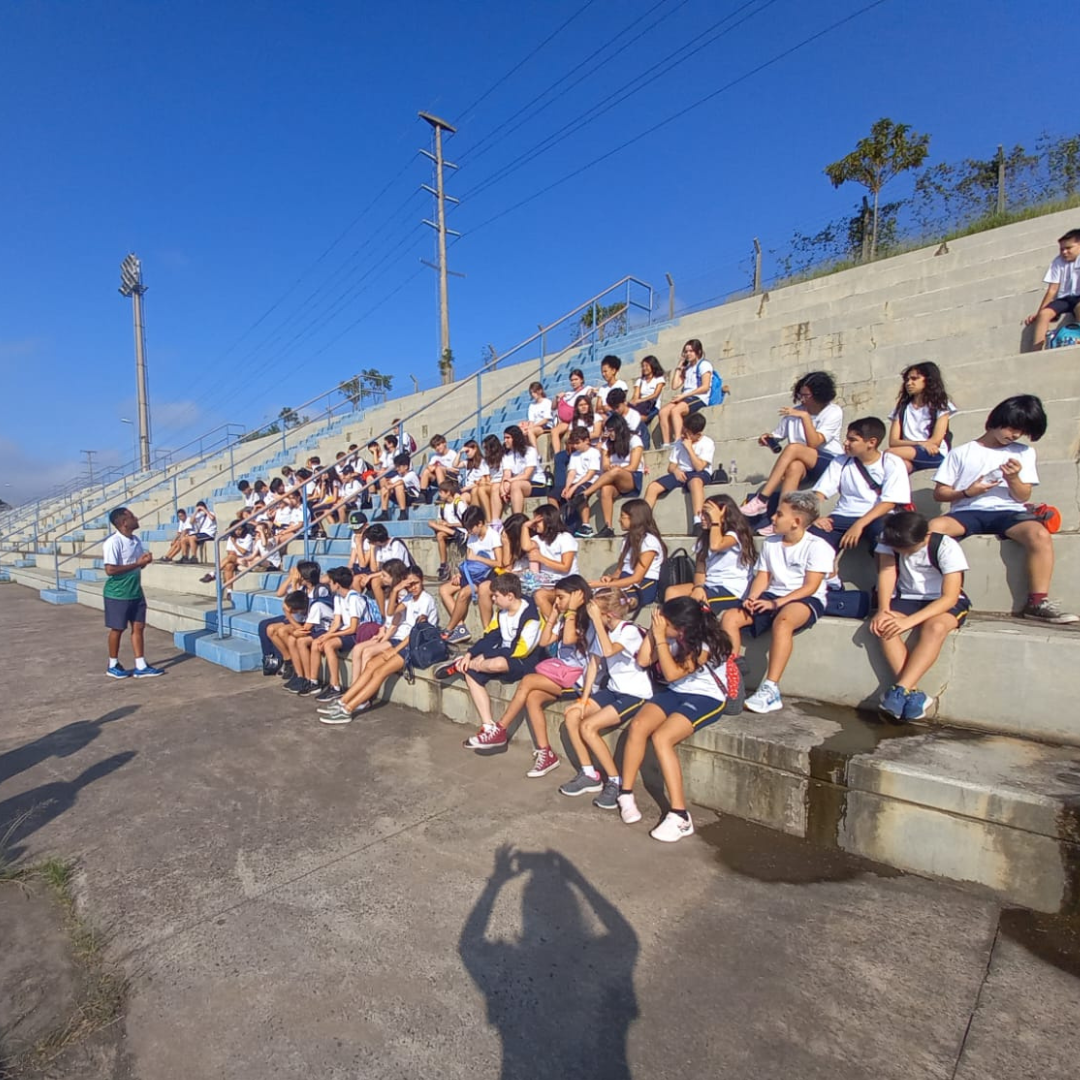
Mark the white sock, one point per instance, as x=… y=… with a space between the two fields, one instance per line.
x=114 y=661
x=616 y=780
x=697 y=519
x=140 y=663
x=590 y=772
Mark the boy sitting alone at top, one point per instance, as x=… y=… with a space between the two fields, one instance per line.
x=689 y=466
x=787 y=591
x=179 y=545
x=870 y=484
x=1062 y=294
x=989 y=481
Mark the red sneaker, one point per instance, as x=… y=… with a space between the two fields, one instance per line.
x=487 y=738
x=546 y=760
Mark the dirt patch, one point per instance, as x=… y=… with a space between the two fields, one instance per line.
x=61 y=1003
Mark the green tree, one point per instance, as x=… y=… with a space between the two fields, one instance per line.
x=377 y=381
x=489 y=358
x=353 y=390
x=601 y=313
x=889 y=150
x=289 y=418
x=1063 y=161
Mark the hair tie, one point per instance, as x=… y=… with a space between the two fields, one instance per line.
x=706 y=610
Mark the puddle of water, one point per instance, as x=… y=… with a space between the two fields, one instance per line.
x=1053 y=938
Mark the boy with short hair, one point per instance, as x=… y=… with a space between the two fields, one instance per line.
x=921 y=588
x=379 y=548
x=317 y=621
x=179 y=544
x=125 y=605
x=349 y=611
x=787 y=591
x=989 y=482
x=870 y=485
x=1062 y=295
x=447 y=526
x=275 y=633
x=609 y=372
x=689 y=465
x=204 y=528
x=506 y=651
x=404 y=485
x=582 y=468
x=442 y=464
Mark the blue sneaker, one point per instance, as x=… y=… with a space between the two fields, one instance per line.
x=893 y=704
x=118 y=672
x=147 y=672
x=917 y=705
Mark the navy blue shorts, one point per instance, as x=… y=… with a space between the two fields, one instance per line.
x=118 y=613
x=925 y=460
x=635 y=491
x=959 y=611
x=626 y=705
x=644 y=594
x=517 y=667
x=669 y=483
x=694 y=405
x=817 y=471
x=763 y=620
x=719 y=599
x=700 y=710
x=989 y=522
x=647 y=409
x=841 y=526
x=1064 y=304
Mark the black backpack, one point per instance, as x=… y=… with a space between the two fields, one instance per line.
x=426 y=648
x=678 y=569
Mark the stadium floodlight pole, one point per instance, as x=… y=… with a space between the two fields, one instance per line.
x=446 y=357
x=131 y=284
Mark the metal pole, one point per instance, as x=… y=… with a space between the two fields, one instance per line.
x=446 y=356
x=232 y=464
x=175 y=496
x=307 y=537
x=479 y=406
x=757 y=266
x=670 y=297
x=1001 y=180
x=56 y=563
x=140 y=380
x=220 y=589
x=543 y=349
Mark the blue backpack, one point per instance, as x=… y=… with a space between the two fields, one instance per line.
x=1066 y=334
x=716 y=386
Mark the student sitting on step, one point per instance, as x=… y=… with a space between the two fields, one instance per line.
x=482 y=549
x=552 y=551
x=351 y=609
x=642 y=556
x=489 y=478
x=582 y=468
x=443 y=463
x=512 y=560
x=989 y=482
x=506 y=652
x=724 y=557
x=687 y=648
x=306 y=578
x=812 y=429
x=614 y=690
x=472 y=471
x=622 y=470
x=870 y=485
x=787 y=594
x=521 y=475
x=610 y=381
x=319 y=617
x=376 y=549
x=920 y=588
x=179 y=546
x=692 y=384
x=577 y=389
x=648 y=389
x=556 y=678
x=919 y=435
x=539 y=420
x=416 y=607
x=689 y=465
x=402 y=485
x=1062 y=296
x=204 y=526
x=447 y=526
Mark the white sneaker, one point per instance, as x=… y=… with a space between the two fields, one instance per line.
x=766 y=698
x=628 y=810
x=673 y=828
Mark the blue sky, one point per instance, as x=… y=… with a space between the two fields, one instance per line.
x=231 y=144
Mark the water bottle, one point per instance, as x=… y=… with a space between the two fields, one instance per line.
x=734 y=471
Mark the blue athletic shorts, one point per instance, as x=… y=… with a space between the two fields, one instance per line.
x=626 y=705
x=763 y=620
x=959 y=611
x=517 y=667
x=118 y=613
x=669 y=483
x=841 y=526
x=817 y=471
x=989 y=522
x=701 y=711
x=720 y=599
x=694 y=405
x=1064 y=304
x=925 y=460
x=644 y=594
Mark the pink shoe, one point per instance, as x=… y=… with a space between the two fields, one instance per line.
x=766 y=530
x=487 y=738
x=546 y=760
x=754 y=506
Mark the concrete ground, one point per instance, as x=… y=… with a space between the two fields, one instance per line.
x=291 y=900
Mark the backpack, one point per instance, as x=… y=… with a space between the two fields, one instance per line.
x=426 y=648
x=1066 y=334
x=716 y=386
x=933 y=549
x=847 y=603
x=678 y=569
x=733 y=686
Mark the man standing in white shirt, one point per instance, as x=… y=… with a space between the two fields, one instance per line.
x=125 y=604
x=1062 y=295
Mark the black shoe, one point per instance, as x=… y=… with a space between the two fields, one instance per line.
x=382 y=515
x=165 y=558
x=294 y=684
x=403 y=515
x=331 y=693
x=271 y=664
x=606 y=533
x=307 y=687
x=287 y=670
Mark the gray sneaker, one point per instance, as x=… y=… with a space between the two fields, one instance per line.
x=581 y=784
x=608 y=799
x=1048 y=611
